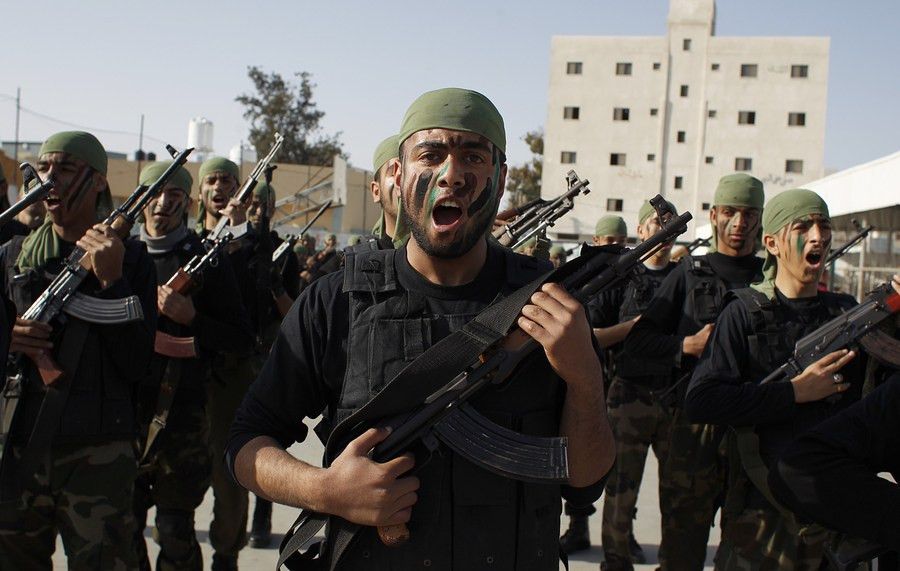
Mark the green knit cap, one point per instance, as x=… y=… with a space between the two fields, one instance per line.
x=182 y=178
x=264 y=191
x=456 y=109
x=739 y=189
x=219 y=164
x=386 y=150
x=79 y=144
x=611 y=225
x=557 y=251
x=781 y=211
x=647 y=211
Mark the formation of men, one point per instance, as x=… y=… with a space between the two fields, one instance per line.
x=210 y=384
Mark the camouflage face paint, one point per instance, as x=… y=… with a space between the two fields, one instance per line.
x=79 y=193
x=421 y=190
x=800 y=245
x=490 y=187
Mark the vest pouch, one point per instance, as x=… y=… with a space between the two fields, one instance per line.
x=706 y=301
x=394 y=343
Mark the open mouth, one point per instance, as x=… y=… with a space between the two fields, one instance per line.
x=814 y=258
x=446 y=213
x=52 y=201
x=219 y=201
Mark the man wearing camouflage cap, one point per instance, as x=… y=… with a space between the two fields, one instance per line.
x=176 y=461
x=754 y=335
x=671 y=334
x=451 y=176
x=610 y=229
x=81 y=484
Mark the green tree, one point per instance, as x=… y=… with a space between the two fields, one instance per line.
x=524 y=182
x=288 y=108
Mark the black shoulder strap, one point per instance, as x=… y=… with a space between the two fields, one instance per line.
x=763 y=321
x=369 y=271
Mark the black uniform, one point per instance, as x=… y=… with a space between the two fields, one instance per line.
x=338 y=347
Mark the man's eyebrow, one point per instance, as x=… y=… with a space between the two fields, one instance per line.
x=431 y=145
x=480 y=145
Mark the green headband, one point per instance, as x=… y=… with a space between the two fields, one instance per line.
x=739 y=190
x=80 y=145
x=456 y=109
x=182 y=178
x=557 y=251
x=219 y=164
x=781 y=211
x=611 y=225
x=264 y=191
x=647 y=211
x=386 y=150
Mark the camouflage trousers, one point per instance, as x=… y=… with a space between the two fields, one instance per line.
x=82 y=492
x=230 y=379
x=638 y=422
x=174 y=478
x=692 y=480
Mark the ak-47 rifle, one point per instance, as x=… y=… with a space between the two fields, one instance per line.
x=446 y=414
x=61 y=294
x=541 y=214
x=852 y=328
x=222 y=229
x=36 y=193
x=697 y=243
x=860 y=235
x=290 y=240
x=520 y=210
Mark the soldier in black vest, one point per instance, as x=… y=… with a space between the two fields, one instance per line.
x=352 y=331
x=176 y=460
x=671 y=334
x=753 y=336
x=81 y=459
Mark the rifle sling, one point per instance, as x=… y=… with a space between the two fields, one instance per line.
x=167 y=388
x=54 y=402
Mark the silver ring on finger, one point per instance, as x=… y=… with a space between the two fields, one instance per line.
x=837 y=378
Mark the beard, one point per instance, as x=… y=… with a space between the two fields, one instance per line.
x=458 y=247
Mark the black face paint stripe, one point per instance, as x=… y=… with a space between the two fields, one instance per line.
x=482 y=200
x=86 y=184
x=422 y=189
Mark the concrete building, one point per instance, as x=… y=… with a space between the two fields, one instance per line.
x=639 y=116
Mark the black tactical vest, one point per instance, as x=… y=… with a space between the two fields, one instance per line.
x=457 y=501
x=705 y=292
x=638 y=294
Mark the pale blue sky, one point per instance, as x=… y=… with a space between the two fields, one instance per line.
x=102 y=64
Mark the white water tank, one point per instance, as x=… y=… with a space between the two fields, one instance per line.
x=243 y=153
x=200 y=136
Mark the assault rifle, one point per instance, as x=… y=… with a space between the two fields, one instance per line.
x=697 y=243
x=541 y=214
x=61 y=294
x=446 y=414
x=281 y=250
x=860 y=235
x=38 y=192
x=222 y=228
x=847 y=330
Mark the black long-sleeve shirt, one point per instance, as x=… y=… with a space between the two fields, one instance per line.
x=830 y=474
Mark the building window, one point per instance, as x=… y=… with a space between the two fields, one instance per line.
x=654 y=112
x=684 y=90
x=748 y=70
x=681 y=136
x=567 y=157
x=679 y=182
x=746 y=117
x=799 y=71
x=686 y=44
x=571 y=112
x=620 y=114
x=794 y=166
x=704 y=206
x=709 y=160
x=796 y=119
x=715 y=67
x=743 y=164
x=651 y=157
x=656 y=65
x=614 y=205
x=711 y=113
x=623 y=68
x=573 y=68
x=617 y=159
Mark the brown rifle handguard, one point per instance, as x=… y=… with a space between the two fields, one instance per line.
x=181 y=282
x=393 y=535
x=177 y=347
x=49 y=369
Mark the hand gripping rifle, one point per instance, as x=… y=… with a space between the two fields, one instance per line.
x=61 y=294
x=222 y=228
x=860 y=235
x=286 y=245
x=854 y=327
x=38 y=192
x=541 y=214
x=445 y=414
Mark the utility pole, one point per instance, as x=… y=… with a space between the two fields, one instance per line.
x=16 y=148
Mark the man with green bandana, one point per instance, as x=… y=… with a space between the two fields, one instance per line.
x=83 y=483
x=390 y=230
x=753 y=336
x=265 y=292
x=610 y=229
x=671 y=334
x=557 y=256
x=351 y=332
x=173 y=441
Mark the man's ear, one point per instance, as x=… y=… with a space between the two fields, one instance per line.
x=375 y=189
x=771 y=244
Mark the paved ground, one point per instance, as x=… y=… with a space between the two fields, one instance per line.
x=646 y=528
